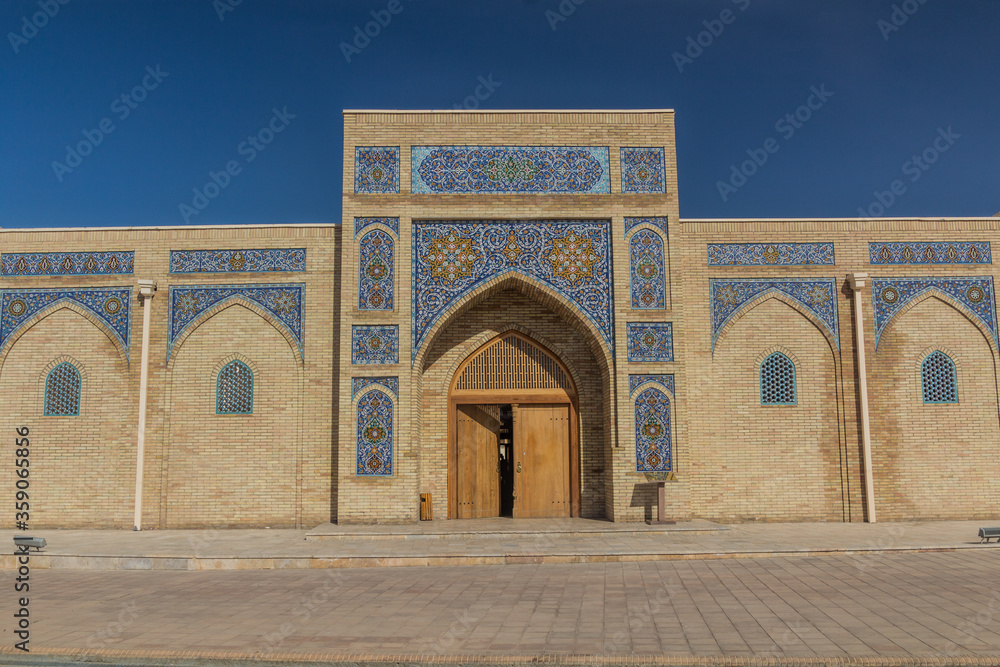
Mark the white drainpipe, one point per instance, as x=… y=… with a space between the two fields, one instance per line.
x=858 y=283
x=147 y=289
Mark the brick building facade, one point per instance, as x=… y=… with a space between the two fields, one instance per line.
x=511 y=319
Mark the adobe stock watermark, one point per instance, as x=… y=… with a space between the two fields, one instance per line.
x=372 y=29
x=482 y=92
x=566 y=9
x=696 y=44
x=122 y=107
x=223 y=7
x=37 y=21
x=115 y=629
x=787 y=125
x=249 y=148
x=914 y=168
x=900 y=14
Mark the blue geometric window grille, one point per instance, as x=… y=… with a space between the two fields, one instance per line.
x=652 y=432
x=646 y=259
x=234 y=394
x=777 y=380
x=62 y=391
x=937 y=375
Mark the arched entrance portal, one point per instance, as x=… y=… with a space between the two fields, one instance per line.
x=513 y=436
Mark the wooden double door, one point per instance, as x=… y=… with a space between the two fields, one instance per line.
x=513 y=458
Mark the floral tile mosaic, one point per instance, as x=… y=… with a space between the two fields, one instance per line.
x=110 y=305
x=375 y=434
x=452 y=258
x=653 y=451
x=284 y=302
x=389 y=383
x=648 y=277
x=890 y=295
x=236 y=261
x=510 y=170
x=636 y=381
x=376 y=266
x=375 y=344
x=376 y=170
x=631 y=223
x=643 y=171
x=361 y=223
x=650 y=341
x=67 y=263
x=769 y=254
x=948 y=252
x=817 y=295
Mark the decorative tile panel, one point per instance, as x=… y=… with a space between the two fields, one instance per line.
x=889 y=295
x=67 y=263
x=661 y=223
x=649 y=291
x=375 y=344
x=235 y=261
x=111 y=305
x=816 y=295
x=375 y=434
x=510 y=169
x=284 y=302
x=643 y=171
x=390 y=383
x=650 y=341
x=769 y=254
x=636 y=381
x=361 y=223
x=571 y=257
x=376 y=170
x=652 y=432
x=376 y=281
x=958 y=252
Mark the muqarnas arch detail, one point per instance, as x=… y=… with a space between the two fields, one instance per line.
x=376 y=267
x=112 y=306
x=891 y=295
x=648 y=279
x=818 y=296
x=451 y=259
x=283 y=302
x=375 y=434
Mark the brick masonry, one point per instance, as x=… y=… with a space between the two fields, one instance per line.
x=293 y=462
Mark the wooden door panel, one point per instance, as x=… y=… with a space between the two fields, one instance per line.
x=478 y=481
x=541 y=452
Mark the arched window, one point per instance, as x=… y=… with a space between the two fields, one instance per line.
x=62 y=391
x=234 y=395
x=648 y=281
x=777 y=380
x=937 y=375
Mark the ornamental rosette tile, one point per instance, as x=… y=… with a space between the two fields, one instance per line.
x=376 y=170
x=510 y=170
x=376 y=259
x=649 y=341
x=652 y=432
x=375 y=434
x=890 y=295
x=643 y=171
x=453 y=258
x=373 y=344
x=648 y=278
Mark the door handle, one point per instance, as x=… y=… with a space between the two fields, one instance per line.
x=519 y=466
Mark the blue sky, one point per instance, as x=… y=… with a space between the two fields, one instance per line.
x=887 y=82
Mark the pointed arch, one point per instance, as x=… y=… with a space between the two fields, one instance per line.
x=62 y=391
x=229 y=302
x=533 y=289
x=376 y=271
x=647 y=273
x=374 y=412
x=53 y=308
x=947 y=299
x=794 y=304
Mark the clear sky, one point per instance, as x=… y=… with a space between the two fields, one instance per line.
x=113 y=112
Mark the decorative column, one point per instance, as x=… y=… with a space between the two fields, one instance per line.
x=858 y=282
x=147 y=289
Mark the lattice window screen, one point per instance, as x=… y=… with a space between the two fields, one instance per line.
x=62 y=391
x=235 y=390
x=777 y=380
x=513 y=363
x=937 y=374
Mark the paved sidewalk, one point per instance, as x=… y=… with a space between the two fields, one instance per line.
x=899 y=608
x=482 y=542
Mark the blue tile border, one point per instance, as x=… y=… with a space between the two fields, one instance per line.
x=946 y=252
x=264 y=260
x=770 y=254
x=119 y=262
